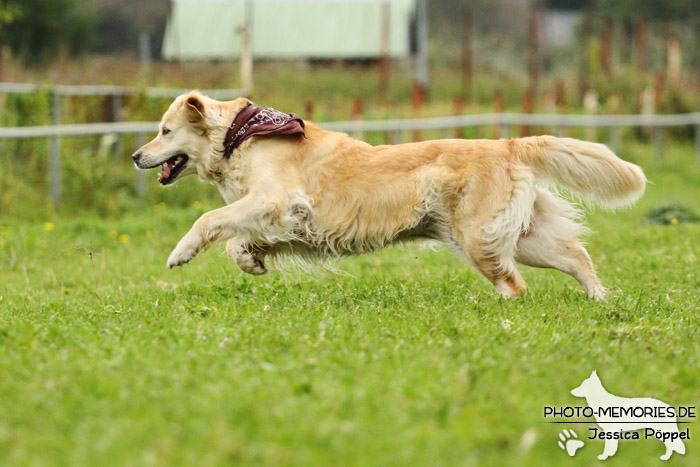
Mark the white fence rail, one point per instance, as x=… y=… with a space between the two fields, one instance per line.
x=433 y=123
x=116 y=95
x=396 y=126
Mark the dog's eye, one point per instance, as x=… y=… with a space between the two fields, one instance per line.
x=165 y=131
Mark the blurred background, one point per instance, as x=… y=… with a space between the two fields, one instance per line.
x=66 y=62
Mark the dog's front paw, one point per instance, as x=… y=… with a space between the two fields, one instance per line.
x=183 y=253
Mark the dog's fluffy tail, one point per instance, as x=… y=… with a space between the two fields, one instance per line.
x=589 y=169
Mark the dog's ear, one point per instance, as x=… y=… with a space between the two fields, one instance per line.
x=195 y=112
x=594 y=374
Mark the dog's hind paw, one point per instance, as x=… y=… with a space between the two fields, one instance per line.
x=250 y=264
x=247 y=258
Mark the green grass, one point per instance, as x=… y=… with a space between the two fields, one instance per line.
x=407 y=358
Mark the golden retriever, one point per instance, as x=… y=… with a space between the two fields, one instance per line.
x=326 y=194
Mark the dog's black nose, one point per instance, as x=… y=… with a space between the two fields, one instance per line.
x=136 y=156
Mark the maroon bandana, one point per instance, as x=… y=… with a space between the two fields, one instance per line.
x=253 y=120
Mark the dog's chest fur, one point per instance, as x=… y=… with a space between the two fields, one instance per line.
x=230 y=181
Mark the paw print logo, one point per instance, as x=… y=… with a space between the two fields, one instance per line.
x=569 y=442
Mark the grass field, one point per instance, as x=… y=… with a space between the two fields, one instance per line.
x=405 y=358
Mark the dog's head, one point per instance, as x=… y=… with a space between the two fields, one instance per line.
x=188 y=135
x=589 y=386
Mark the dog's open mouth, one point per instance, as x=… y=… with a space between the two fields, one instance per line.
x=172 y=168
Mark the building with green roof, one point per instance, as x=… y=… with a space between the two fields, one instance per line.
x=290 y=29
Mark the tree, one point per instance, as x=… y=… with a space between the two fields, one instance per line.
x=9 y=12
x=36 y=29
x=119 y=22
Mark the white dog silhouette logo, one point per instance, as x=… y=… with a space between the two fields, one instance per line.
x=617 y=415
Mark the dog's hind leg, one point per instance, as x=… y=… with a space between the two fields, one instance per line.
x=552 y=242
x=489 y=237
x=501 y=271
x=249 y=259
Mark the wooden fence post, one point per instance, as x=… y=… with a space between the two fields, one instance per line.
x=246 y=59
x=659 y=132
x=614 y=107
x=525 y=130
x=590 y=105
x=560 y=103
x=422 y=65
x=417 y=102
x=559 y=94
x=583 y=65
x=459 y=110
x=55 y=152
x=384 y=52
x=642 y=41
x=697 y=143
x=674 y=60
x=534 y=51
x=467 y=34
x=356 y=115
x=499 y=131
x=309 y=110
x=606 y=48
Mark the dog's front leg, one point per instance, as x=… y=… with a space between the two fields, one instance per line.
x=221 y=224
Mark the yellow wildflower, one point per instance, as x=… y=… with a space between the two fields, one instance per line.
x=2 y=242
x=197 y=205
x=149 y=234
x=674 y=221
x=159 y=206
x=48 y=226
x=124 y=238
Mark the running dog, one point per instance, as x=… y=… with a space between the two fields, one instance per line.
x=295 y=189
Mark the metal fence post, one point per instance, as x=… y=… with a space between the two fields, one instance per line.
x=55 y=152
x=140 y=175
x=116 y=109
x=615 y=138
x=659 y=143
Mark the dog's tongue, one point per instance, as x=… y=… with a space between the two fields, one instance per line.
x=167 y=167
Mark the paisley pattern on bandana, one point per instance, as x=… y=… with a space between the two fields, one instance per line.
x=253 y=120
